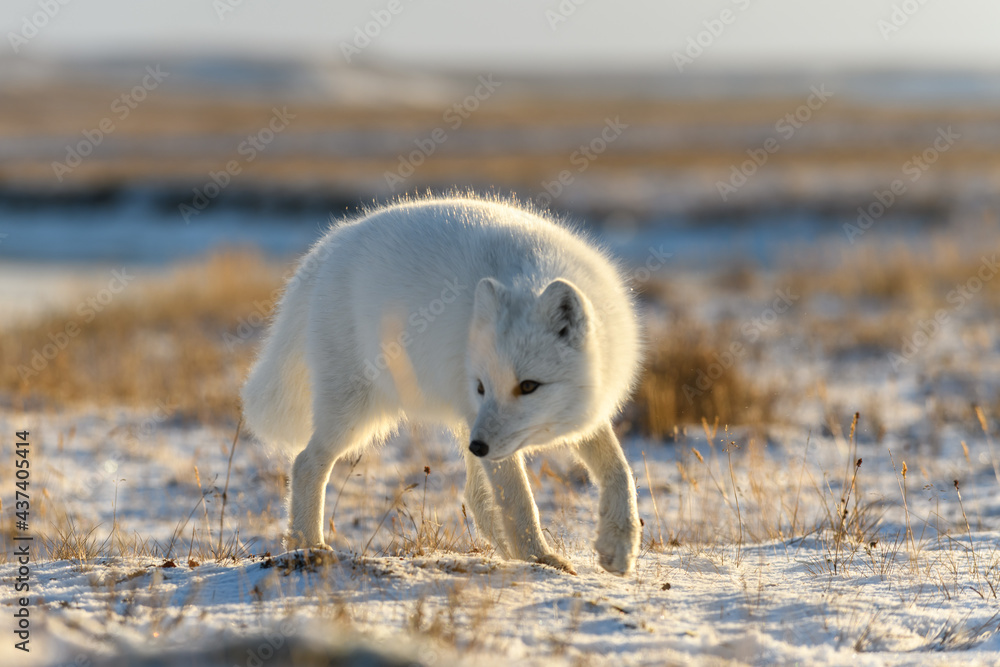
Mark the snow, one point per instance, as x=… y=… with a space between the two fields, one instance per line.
x=128 y=507
x=708 y=601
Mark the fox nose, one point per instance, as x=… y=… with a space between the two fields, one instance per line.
x=479 y=448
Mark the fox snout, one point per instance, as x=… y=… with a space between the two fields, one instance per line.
x=487 y=430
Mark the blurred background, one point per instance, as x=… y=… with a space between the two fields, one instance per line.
x=119 y=119
x=804 y=196
x=723 y=149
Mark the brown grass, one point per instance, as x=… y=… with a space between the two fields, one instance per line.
x=175 y=341
x=882 y=293
x=861 y=335
x=168 y=341
x=689 y=377
x=59 y=108
x=899 y=273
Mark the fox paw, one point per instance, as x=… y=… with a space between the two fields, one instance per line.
x=554 y=560
x=302 y=559
x=617 y=547
x=291 y=544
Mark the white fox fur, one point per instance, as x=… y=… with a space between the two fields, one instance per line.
x=447 y=310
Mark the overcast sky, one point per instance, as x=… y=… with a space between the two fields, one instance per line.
x=528 y=34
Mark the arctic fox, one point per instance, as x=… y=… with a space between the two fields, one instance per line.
x=490 y=319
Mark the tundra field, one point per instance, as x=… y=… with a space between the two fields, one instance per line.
x=814 y=445
x=814 y=439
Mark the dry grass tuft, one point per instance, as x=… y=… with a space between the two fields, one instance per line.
x=901 y=273
x=692 y=374
x=173 y=340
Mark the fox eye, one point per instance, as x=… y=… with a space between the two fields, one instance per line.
x=528 y=386
x=479 y=389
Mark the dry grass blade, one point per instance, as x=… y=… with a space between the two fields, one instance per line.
x=983 y=424
x=393 y=505
x=736 y=496
x=652 y=496
x=906 y=509
x=225 y=490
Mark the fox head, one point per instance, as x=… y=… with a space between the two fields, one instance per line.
x=530 y=366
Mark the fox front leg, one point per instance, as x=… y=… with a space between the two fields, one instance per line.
x=618 y=528
x=520 y=514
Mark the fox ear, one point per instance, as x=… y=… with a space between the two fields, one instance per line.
x=562 y=307
x=486 y=304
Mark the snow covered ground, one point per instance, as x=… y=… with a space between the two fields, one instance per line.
x=137 y=572
x=803 y=540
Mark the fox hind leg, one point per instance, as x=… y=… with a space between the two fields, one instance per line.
x=334 y=435
x=310 y=474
